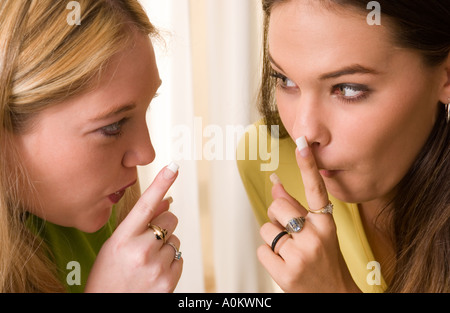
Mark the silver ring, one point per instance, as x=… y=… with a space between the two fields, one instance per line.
x=177 y=252
x=326 y=209
x=295 y=225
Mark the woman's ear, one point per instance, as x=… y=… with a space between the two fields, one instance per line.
x=444 y=95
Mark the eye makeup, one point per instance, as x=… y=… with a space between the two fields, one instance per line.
x=113 y=130
x=350 y=93
x=346 y=92
x=283 y=81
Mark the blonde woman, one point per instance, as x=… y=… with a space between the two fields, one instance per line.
x=73 y=100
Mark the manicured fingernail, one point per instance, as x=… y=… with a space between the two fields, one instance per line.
x=171 y=170
x=302 y=144
x=168 y=199
x=275 y=179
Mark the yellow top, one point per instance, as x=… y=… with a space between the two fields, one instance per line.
x=255 y=170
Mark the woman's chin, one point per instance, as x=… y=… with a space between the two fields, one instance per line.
x=95 y=223
x=344 y=195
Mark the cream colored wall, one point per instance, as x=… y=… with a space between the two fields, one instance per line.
x=210 y=69
x=200 y=32
x=199 y=48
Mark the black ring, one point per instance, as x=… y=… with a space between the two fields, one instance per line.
x=275 y=240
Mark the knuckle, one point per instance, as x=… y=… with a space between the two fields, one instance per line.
x=138 y=256
x=260 y=252
x=168 y=284
x=143 y=207
x=139 y=259
x=166 y=220
x=279 y=202
x=176 y=241
x=115 y=245
x=157 y=270
x=276 y=205
x=331 y=230
x=315 y=247
x=263 y=229
x=173 y=219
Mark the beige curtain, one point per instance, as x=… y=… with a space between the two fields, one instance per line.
x=209 y=65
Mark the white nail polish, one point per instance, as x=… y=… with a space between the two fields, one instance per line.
x=171 y=170
x=275 y=179
x=301 y=143
x=173 y=167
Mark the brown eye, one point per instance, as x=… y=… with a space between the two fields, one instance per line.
x=350 y=92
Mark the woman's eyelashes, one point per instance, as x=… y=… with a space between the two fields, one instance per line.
x=283 y=81
x=347 y=92
x=113 y=130
x=350 y=92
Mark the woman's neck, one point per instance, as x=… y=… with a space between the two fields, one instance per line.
x=376 y=221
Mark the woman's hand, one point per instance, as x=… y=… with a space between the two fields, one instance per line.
x=310 y=260
x=132 y=259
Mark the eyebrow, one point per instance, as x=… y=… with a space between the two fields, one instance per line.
x=348 y=70
x=120 y=109
x=113 y=112
x=271 y=60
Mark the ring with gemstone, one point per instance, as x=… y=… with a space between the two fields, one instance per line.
x=177 y=252
x=295 y=225
x=326 y=209
x=160 y=233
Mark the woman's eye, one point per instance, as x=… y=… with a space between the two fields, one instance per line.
x=113 y=130
x=350 y=92
x=283 y=81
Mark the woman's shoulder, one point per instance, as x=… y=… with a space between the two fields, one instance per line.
x=72 y=251
x=259 y=154
x=261 y=150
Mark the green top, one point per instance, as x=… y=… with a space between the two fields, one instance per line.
x=73 y=251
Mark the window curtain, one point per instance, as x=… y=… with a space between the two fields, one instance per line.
x=209 y=63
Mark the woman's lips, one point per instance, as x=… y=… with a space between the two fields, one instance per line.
x=115 y=197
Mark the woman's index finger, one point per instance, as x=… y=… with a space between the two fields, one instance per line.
x=315 y=189
x=144 y=210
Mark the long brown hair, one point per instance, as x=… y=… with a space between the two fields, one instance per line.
x=43 y=61
x=420 y=211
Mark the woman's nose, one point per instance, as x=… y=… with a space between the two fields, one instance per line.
x=140 y=151
x=310 y=121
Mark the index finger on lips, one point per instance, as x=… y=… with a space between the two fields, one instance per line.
x=149 y=204
x=315 y=189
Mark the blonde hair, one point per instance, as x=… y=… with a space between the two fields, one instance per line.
x=44 y=61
